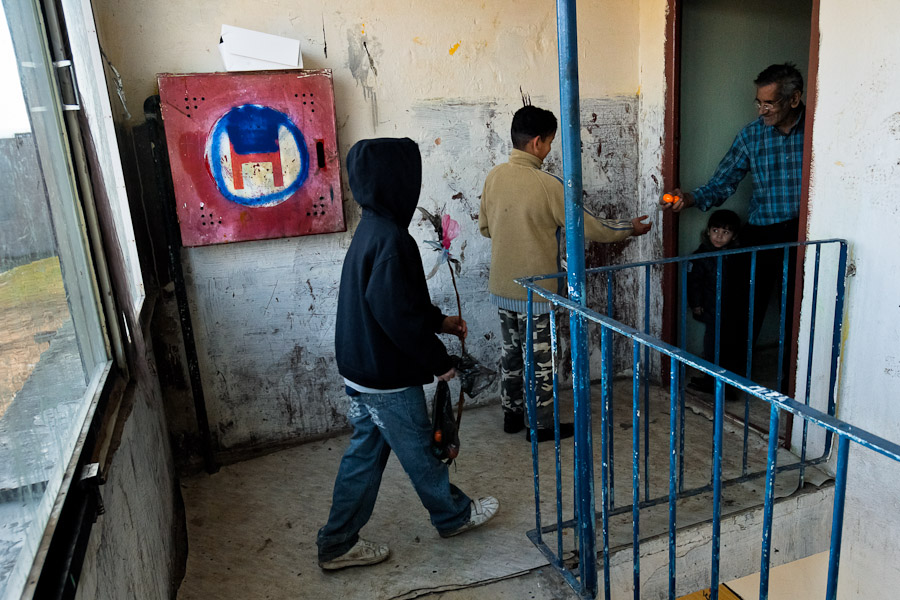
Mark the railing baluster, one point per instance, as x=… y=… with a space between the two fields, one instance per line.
x=608 y=381
x=837 y=517
x=682 y=375
x=717 y=488
x=809 y=363
x=553 y=357
x=749 y=372
x=769 y=504
x=718 y=330
x=783 y=320
x=674 y=387
x=646 y=381
x=636 y=467
x=605 y=370
x=531 y=405
x=584 y=457
x=836 y=337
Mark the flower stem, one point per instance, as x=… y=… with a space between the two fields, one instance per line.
x=462 y=341
x=458 y=305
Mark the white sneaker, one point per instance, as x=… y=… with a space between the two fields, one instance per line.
x=362 y=553
x=483 y=510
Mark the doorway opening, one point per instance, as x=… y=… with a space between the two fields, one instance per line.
x=715 y=49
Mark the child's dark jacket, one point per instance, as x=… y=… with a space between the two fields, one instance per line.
x=701 y=283
x=386 y=324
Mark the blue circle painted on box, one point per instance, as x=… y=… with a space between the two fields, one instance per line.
x=257 y=156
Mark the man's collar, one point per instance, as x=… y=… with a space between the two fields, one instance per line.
x=522 y=157
x=801 y=114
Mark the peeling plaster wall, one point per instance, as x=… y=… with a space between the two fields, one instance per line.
x=449 y=77
x=651 y=119
x=855 y=176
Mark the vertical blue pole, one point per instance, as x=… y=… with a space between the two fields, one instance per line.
x=769 y=506
x=717 y=488
x=570 y=124
x=605 y=372
x=636 y=468
x=837 y=518
x=674 y=387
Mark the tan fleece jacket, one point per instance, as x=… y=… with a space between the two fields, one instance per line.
x=521 y=209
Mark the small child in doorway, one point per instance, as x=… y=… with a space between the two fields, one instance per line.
x=721 y=233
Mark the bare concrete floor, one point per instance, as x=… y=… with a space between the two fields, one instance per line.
x=252 y=525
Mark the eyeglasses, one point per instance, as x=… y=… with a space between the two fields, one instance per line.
x=767 y=106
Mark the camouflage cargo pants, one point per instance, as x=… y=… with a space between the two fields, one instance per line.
x=512 y=361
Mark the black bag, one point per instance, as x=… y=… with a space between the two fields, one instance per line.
x=444 y=434
x=474 y=377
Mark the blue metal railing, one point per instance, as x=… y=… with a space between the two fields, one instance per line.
x=584 y=518
x=752 y=327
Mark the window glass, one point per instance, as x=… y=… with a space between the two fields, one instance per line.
x=53 y=354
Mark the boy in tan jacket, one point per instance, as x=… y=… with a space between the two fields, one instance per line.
x=523 y=211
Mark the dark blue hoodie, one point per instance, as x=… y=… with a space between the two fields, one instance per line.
x=386 y=324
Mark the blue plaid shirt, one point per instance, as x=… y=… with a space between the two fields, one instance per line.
x=775 y=160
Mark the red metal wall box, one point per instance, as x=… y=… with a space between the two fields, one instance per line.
x=253 y=155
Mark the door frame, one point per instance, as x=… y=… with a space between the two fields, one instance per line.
x=670 y=170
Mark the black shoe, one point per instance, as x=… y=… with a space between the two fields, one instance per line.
x=513 y=422
x=545 y=434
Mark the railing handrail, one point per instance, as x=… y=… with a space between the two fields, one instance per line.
x=687 y=258
x=828 y=422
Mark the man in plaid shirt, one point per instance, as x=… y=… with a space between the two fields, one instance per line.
x=770 y=148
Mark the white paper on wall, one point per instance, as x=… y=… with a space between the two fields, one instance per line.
x=248 y=50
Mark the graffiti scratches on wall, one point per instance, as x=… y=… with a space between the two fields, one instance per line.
x=361 y=52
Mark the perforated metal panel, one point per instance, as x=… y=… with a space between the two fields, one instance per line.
x=253 y=155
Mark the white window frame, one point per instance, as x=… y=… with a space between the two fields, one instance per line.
x=93 y=94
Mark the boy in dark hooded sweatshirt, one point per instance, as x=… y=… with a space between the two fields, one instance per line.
x=386 y=349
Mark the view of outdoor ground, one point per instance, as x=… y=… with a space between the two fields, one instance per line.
x=32 y=308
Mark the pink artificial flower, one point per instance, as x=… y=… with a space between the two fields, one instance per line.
x=450 y=229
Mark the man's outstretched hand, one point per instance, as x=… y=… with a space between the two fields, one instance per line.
x=676 y=200
x=455 y=326
x=640 y=228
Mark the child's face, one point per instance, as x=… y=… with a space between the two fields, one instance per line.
x=720 y=236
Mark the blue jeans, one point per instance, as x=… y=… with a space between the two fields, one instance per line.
x=381 y=423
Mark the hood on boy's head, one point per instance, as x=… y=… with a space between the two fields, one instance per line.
x=385 y=177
